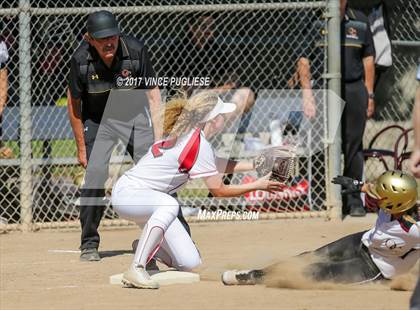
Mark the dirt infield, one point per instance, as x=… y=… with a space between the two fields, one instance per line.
x=36 y=276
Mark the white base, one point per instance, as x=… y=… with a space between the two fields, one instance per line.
x=166 y=277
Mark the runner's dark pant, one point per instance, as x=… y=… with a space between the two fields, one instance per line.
x=346 y=260
x=353 y=128
x=100 y=141
x=415 y=298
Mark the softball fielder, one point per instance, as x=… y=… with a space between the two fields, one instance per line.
x=143 y=194
x=390 y=248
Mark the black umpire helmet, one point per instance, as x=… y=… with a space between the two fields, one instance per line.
x=102 y=24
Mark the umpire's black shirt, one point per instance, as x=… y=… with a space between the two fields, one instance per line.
x=356 y=44
x=91 y=80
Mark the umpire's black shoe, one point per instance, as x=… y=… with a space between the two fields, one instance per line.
x=357 y=210
x=90 y=255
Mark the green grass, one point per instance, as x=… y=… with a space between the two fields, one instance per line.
x=59 y=148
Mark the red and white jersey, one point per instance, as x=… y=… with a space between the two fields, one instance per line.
x=394 y=245
x=169 y=164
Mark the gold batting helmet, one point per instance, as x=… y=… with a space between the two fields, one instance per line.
x=395 y=190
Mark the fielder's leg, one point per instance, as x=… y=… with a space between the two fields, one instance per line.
x=149 y=241
x=178 y=250
x=159 y=210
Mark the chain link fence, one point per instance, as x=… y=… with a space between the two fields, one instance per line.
x=395 y=90
x=256 y=45
x=260 y=43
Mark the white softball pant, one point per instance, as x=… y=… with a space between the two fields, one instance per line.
x=153 y=209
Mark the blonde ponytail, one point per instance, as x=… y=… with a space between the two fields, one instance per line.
x=171 y=113
x=181 y=114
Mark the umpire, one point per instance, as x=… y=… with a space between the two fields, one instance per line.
x=358 y=72
x=100 y=62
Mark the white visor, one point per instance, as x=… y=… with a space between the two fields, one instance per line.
x=220 y=108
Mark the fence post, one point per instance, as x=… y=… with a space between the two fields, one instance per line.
x=25 y=115
x=334 y=107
